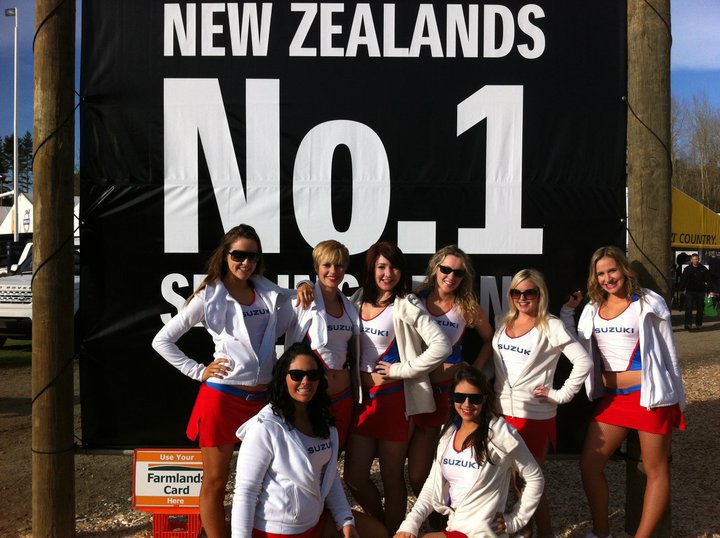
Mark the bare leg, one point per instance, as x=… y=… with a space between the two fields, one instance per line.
x=655 y=449
x=420 y=456
x=359 y=456
x=392 y=470
x=542 y=518
x=216 y=468
x=601 y=441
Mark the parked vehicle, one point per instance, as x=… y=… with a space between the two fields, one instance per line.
x=16 y=298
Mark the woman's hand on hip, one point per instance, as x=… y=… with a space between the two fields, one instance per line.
x=349 y=531
x=541 y=392
x=218 y=368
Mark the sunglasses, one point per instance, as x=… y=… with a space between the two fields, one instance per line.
x=240 y=255
x=530 y=293
x=475 y=399
x=445 y=270
x=312 y=375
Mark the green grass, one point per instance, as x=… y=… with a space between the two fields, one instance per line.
x=15 y=353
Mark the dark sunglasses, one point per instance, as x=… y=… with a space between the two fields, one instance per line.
x=475 y=399
x=240 y=255
x=312 y=375
x=445 y=270
x=530 y=293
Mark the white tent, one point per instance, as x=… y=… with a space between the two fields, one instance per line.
x=25 y=219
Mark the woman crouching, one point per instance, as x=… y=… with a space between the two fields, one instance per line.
x=287 y=464
x=473 y=467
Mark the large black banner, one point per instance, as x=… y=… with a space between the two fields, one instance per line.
x=500 y=127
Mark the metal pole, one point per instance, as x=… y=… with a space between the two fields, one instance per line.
x=16 y=232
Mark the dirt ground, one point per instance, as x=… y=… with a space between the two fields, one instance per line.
x=103 y=483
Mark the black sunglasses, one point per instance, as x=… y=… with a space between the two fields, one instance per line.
x=241 y=255
x=445 y=270
x=530 y=293
x=475 y=399
x=312 y=375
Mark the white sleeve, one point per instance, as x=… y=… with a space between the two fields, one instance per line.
x=438 y=348
x=337 y=503
x=165 y=340
x=254 y=460
x=581 y=361
x=423 y=506
x=529 y=470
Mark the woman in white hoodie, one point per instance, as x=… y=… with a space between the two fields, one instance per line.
x=244 y=313
x=400 y=344
x=287 y=482
x=473 y=468
x=526 y=351
x=330 y=325
x=628 y=331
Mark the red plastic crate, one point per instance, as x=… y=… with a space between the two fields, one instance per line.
x=176 y=526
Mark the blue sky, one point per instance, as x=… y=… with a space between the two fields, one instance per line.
x=695 y=56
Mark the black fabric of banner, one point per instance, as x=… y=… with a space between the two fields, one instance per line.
x=135 y=255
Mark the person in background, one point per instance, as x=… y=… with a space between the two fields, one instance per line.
x=627 y=330
x=526 y=351
x=472 y=469
x=696 y=280
x=244 y=313
x=287 y=482
x=400 y=344
x=447 y=294
x=329 y=323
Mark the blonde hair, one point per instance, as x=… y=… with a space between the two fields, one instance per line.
x=465 y=297
x=595 y=291
x=330 y=251
x=536 y=278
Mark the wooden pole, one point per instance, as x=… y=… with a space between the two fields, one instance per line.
x=649 y=187
x=53 y=471
x=648 y=155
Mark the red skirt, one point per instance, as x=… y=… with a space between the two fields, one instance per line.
x=218 y=414
x=625 y=410
x=382 y=413
x=442 y=408
x=454 y=534
x=535 y=433
x=342 y=407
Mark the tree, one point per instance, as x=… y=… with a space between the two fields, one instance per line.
x=25 y=154
x=696 y=149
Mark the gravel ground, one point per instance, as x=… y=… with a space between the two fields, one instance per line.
x=103 y=483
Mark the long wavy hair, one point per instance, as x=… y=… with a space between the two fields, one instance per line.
x=480 y=438
x=283 y=404
x=394 y=255
x=632 y=284
x=465 y=297
x=217 y=266
x=536 y=278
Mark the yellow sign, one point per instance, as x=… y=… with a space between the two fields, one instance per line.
x=167 y=480
x=693 y=224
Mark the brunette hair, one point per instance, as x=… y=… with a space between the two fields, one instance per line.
x=632 y=284
x=480 y=438
x=394 y=255
x=217 y=266
x=330 y=251
x=282 y=403
x=536 y=278
x=465 y=296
